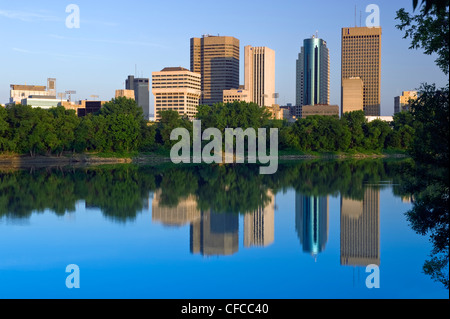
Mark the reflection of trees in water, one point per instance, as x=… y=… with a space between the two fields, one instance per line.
x=119 y=191
x=429 y=188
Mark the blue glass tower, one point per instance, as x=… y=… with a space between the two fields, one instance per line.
x=313 y=73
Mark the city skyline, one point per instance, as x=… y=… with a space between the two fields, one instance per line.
x=82 y=59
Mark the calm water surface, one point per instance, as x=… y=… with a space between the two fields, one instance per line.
x=308 y=231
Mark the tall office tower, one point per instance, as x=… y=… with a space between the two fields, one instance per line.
x=215 y=234
x=311 y=222
x=361 y=57
x=402 y=102
x=313 y=73
x=360 y=229
x=177 y=89
x=216 y=58
x=259 y=74
x=352 y=92
x=259 y=226
x=141 y=93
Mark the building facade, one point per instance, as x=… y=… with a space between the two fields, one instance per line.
x=328 y=110
x=21 y=92
x=177 y=89
x=216 y=59
x=361 y=57
x=259 y=74
x=402 y=102
x=352 y=92
x=313 y=73
x=129 y=94
x=236 y=95
x=141 y=89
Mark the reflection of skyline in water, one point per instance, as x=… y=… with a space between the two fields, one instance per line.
x=213 y=233
x=311 y=222
x=360 y=229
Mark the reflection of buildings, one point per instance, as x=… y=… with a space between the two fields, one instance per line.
x=184 y=213
x=259 y=225
x=311 y=222
x=360 y=229
x=215 y=234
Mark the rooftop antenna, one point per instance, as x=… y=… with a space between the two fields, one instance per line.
x=355 y=15
x=360 y=18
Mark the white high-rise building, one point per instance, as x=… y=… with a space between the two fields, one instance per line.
x=259 y=75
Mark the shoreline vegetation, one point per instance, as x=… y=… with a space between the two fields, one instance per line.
x=94 y=159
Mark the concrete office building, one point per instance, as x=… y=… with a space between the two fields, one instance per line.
x=361 y=57
x=177 y=89
x=141 y=89
x=259 y=74
x=129 y=94
x=20 y=92
x=236 y=95
x=216 y=59
x=352 y=92
x=401 y=103
x=313 y=73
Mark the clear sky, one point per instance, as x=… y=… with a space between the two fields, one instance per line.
x=117 y=37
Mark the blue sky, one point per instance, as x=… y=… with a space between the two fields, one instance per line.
x=116 y=36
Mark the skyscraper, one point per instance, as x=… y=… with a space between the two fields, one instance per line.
x=313 y=73
x=259 y=74
x=216 y=58
x=141 y=93
x=361 y=57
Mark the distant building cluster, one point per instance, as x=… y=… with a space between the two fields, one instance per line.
x=213 y=77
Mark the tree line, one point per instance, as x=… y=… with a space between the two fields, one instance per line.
x=120 y=127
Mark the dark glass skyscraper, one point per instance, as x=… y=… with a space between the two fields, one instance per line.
x=313 y=73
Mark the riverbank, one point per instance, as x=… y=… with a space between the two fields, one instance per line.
x=156 y=158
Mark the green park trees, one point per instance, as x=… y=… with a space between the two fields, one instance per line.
x=119 y=127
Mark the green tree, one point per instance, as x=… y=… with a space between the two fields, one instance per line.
x=428 y=29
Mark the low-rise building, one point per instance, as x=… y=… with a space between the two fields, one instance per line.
x=236 y=95
x=403 y=102
x=319 y=109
